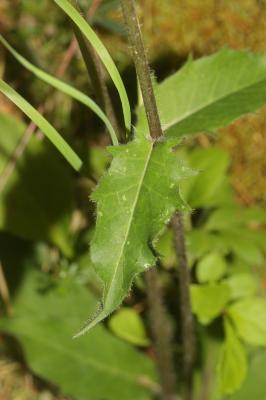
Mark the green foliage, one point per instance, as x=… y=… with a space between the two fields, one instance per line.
x=210 y=93
x=25 y=196
x=249 y=317
x=136 y=198
x=43 y=124
x=102 y=53
x=63 y=87
x=209 y=301
x=141 y=187
x=128 y=325
x=43 y=321
x=211 y=268
x=232 y=365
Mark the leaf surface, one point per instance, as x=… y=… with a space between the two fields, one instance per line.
x=232 y=365
x=135 y=199
x=249 y=317
x=98 y=366
x=209 y=93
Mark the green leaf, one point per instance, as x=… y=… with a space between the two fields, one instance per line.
x=226 y=217
x=102 y=52
x=44 y=319
x=254 y=386
x=128 y=325
x=135 y=199
x=249 y=317
x=242 y=285
x=209 y=301
x=211 y=268
x=63 y=87
x=210 y=93
x=203 y=190
x=42 y=124
x=25 y=208
x=232 y=365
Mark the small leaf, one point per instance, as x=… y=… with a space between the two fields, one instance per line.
x=232 y=365
x=249 y=317
x=209 y=301
x=128 y=325
x=42 y=124
x=242 y=285
x=211 y=268
x=63 y=87
x=102 y=52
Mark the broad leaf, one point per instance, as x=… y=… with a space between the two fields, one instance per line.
x=210 y=93
x=249 y=317
x=211 y=268
x=102 y=52
x=135 y=199
x=209 y=301
x=63 y=87
x=128 y=325
x=98 y=366
x=242 y=285
x=232 y=366
x=43 y=124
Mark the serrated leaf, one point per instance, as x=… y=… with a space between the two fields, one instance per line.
x=63 y=87
x=103 y=54
x=43 y=320
x=210 y=93
x=211 y=268
x=249 y=317
x=42 y=124
x=232 y=365
x=128 y=325
x=135 y=199
x=209 y=301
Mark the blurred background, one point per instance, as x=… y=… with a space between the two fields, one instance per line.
x=46 y=219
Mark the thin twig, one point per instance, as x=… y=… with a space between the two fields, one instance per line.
x=187 y=322
x=159 y=323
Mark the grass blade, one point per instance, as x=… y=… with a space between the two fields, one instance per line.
x=102 y=53
x=63 y=87
x=42 y=124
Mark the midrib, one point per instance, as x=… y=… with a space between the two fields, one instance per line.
x=201 y=108
x=131 y=218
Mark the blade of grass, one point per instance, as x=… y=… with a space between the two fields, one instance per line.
x=51 y=133
x=102 y=52
x=63 y=87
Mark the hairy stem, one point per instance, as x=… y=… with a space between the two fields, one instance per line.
x=159 y=323
x=140 y=58
x=187 y=322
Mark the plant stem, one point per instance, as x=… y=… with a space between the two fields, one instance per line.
x=160 y=325
x=142 y=67
x=187 y=322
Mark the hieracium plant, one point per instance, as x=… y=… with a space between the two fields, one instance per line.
x=139 y=195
